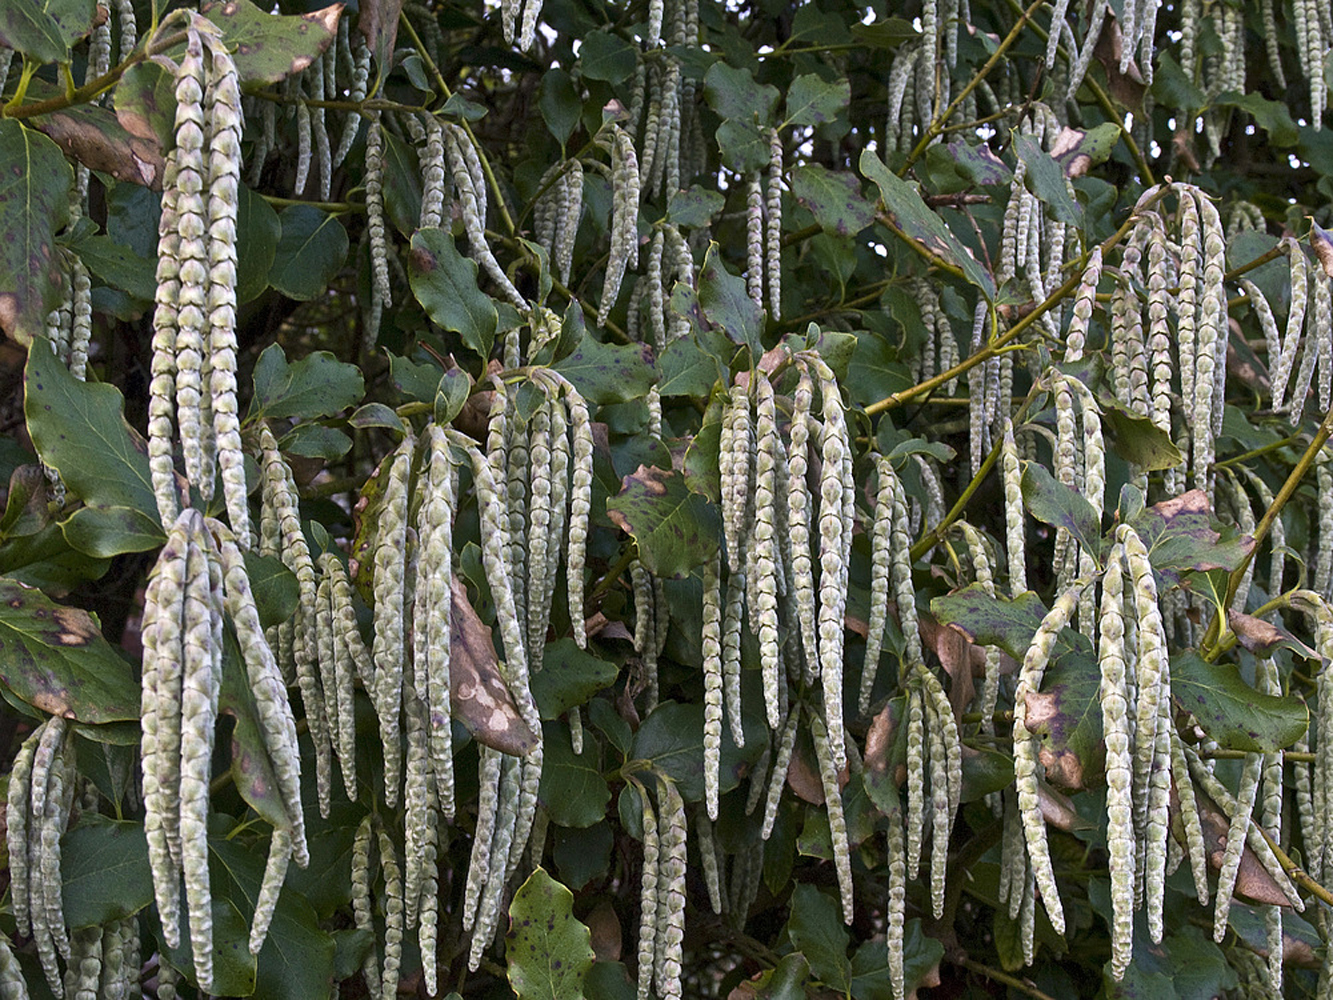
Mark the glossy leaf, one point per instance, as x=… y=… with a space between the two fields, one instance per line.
x=573 y=791
x=727 y=305
x=608 y=373
x=569 y=676
x=870 y=965
x=318 y=385
x=104 y=871
x=1054 y=503
x=1047 y=181
x=817 y=932
x=311 y=250
x=672 y=739
x=1182 y=534
x=271 y=47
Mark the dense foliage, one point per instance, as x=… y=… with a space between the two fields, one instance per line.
x=670 y=499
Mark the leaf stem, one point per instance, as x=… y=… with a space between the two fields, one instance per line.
x=1002 y=977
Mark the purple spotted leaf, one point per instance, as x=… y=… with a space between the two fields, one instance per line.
x=1066 y=715
x=833 y=197
x=675 y=530
x=1182 y=534
x=1230 y=711
x=548 y=950
x=271 y=47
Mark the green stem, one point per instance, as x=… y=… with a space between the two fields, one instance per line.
x=937 y=126
x=1255 y=453
x=1003 y=977
x=1266 y=524
x=997 y=346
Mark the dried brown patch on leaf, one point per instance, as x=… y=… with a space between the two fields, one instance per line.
x=1262 y=637
x=101 y=140
x=481 y=699
x=1253 y=884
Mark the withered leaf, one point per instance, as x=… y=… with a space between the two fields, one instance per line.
x=481 y=699
x=98 y=139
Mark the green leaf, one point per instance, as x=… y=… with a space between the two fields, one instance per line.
x=415 y=381
x=1173 y=88
x=258 y=231
x=694 y=207
x=548 y=951
x=316 y=441
x=297 y=957
x=34 y=204
x=319 y=385
x=274 y=587
x=311 y=250
x=145 y=100
x=582 y=855
x=608 y=57
x=817 y=932
x=48 y=560
x=445 y=283
x=78 y=429
x=785 y=982
x=609 y=373
x=1076 y=152
x=1137 y=439
x=734 y=93
x=104 y=871
x=1182 y=534
x=376 y=415
x=812 y=100
x=887 y=34
x=911 y=214
x=558 y=100
x=26 y=27
x=251 y=767
x=992 y=621
x=234 y=968
x=726 y=303
x=675 y=530
x=671 y=738
x=402 y=184
x=452 y=395
x=569 y=677
x=269 y=48
x=1046 y=180
x=833 y=197
x=743 y=144
x=978 y=163
x=119 y=266
x=874 y=371
x=985 y=771
x=686 y=370
x=54 y=658
x=870 y=964
x=1054 y=503
x=1274 y=117
x=1230 y=711
x=573 y=790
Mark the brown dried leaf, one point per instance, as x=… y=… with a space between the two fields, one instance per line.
x=604 y=927
x=379 y=23
x=1128 y=87
x=803 y=776
x=1262 y=637
x=959 y=656
x=481 y=699
x=1253 y=883
x=96 y=138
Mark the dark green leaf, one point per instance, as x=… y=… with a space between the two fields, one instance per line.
x=733 y=93
x=452 y=395
x=234 y=968
x=582 y=855
x=1056 y=504
x=675 y=530
x=904 y=204
x=573 y=790
x=743 y=144
x=402 y=184
x=34 y=203
x=269 y=47
x=119 y=266
x=671 y=738
x=833 y=198
x=258 y=231
x=1274 y=117
x=727 y=305
x=817 y=932
x=274 y=586
x=26 y=27
x=49 y=561
x=608 y=57
x=874 y=372
x=445 y=283
x=1230 y=711
x=785 y=982
x=316 y=441
x=311 y=250
x=569 y=677
x=1137 y=439
x=609 y=373
x=459 y=108
x=106 y=530
x=1173 y=88
x=886 y=34
x=870 y=964
x=978 y=163
x=78 y=429
x=812 y=100
x=985 y=771
x=559 y=102
x=701 y=469
x=251 y=767
x=104 y=871
x=318 y=385
x=1047 y=180
x=548 y=951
